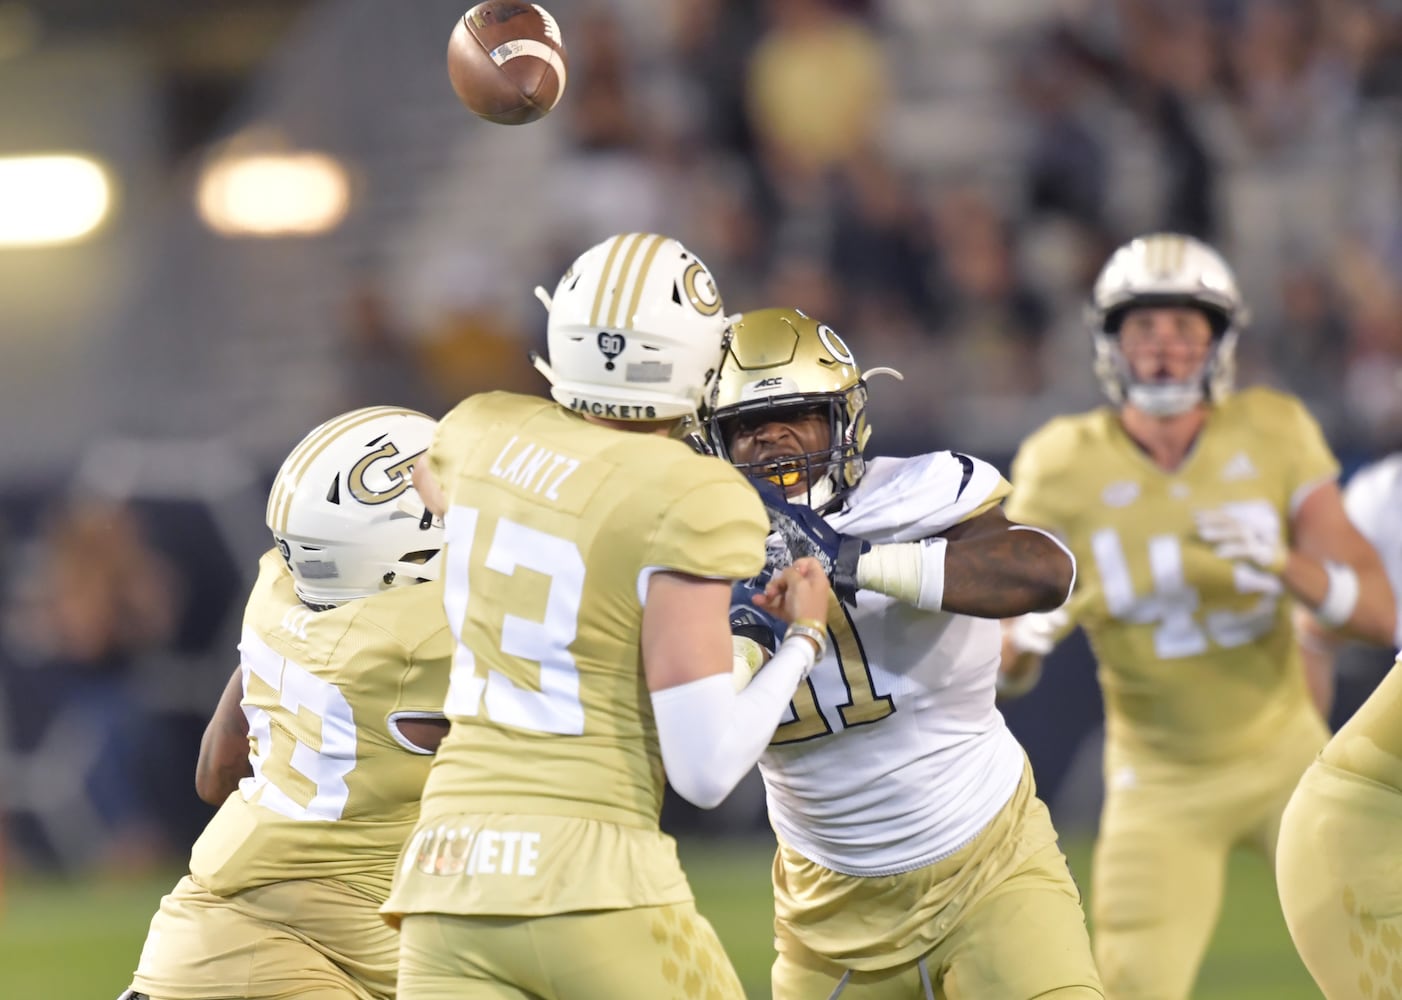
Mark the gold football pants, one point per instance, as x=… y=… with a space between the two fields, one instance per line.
x=308 y=939
x=1160 y=863
x=1340 y=881
x=658 y=952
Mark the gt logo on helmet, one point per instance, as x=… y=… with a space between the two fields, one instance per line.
x=398 y=475
x=835 y=345
x=700 y=289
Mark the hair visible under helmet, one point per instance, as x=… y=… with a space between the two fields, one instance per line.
x=780 y=361
x=343 y=510
x=1165 y=269
x=636 y=331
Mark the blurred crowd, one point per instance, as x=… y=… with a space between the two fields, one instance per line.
x=942 y=186
x=940 y=182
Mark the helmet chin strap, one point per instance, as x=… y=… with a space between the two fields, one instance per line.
x=1165 y=400
x=817 y=493
x=543 y=367
x=821 y=492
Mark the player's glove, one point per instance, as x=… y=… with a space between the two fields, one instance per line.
x=754 y=632
x=1035 y=632
x=804 y=532
x=1239 y=538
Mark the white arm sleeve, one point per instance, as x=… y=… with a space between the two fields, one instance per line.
x=711 y=736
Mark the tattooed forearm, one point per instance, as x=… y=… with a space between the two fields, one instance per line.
x=1005 y=574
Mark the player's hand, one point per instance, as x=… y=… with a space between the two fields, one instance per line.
x=1241 y=539
x=804 y=532
x=1035 y=632
x=799 y=592
x=751 y=621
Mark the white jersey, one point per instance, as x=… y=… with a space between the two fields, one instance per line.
x=893 y=755
x=1373 y=498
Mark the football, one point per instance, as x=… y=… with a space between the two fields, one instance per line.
x=506 y=61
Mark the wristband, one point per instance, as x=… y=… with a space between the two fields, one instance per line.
x=932 y=578
x=1341 y=597
x=816 y=632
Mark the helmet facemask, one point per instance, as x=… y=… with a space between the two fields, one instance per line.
x=1212 y=381
x=830 y=473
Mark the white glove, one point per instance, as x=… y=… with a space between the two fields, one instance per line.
x=1035 y=632
x=1238 y=538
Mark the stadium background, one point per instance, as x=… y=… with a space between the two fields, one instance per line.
x=939 y=180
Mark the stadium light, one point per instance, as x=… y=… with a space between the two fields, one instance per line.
x=273 y=194
x=51 y=199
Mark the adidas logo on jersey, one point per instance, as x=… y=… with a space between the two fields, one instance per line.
x=1238 y=467
x=1120 y=494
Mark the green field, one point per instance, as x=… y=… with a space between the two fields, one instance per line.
x=79 y=940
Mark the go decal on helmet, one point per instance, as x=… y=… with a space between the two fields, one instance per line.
x=343 y=510
x=782 y=361
x=636 y=331
x=1165 y=269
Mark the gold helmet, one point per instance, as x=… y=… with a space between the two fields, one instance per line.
x=782 y=361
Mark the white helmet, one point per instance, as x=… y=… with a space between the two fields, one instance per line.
x=344 y=512
x=636 y=332
x=1165 y=269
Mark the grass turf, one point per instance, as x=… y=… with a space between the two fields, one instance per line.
x=79 y=940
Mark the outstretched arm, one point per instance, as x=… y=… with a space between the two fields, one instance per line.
x=1328 y=546
x=223 y=760
x=986 y=567
x=994 y=568
x=711 y=735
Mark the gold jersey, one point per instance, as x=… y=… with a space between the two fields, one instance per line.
x=1197 y=655
x=554 y=526
x=335 y=787
x=1370 y=743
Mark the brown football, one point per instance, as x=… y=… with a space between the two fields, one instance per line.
x=506 y=60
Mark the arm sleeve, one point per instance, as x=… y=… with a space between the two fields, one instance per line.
x=710 y=736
